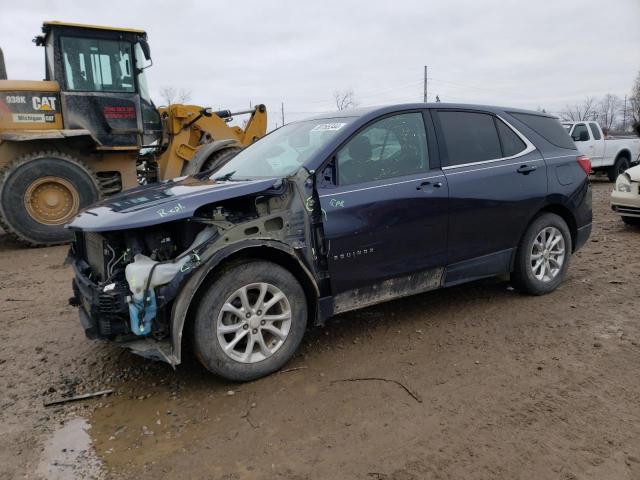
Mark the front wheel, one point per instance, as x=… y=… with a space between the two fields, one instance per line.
x=250 y=321
x=543 y=256
x=620 y=166
x=218 y=159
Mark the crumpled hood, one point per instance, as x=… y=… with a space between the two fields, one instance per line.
x=163 y=202
x=634 y=173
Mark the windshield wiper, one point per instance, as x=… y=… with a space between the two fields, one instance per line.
x=226 y=176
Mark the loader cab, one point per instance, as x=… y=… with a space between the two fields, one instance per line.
x=100 y=71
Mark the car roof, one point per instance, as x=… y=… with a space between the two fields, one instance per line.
x=373 y=111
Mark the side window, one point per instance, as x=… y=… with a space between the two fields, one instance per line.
x=392 y=147
x=511 y=142
x=92 y=65
x=469 y=136
x=580 y=133
x=547 y=127
x=594 y=131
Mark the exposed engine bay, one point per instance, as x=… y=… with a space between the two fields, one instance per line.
x=127 y=280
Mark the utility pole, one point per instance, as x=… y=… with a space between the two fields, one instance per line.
x=282 y=105
x=425 y=84
x=624 y=116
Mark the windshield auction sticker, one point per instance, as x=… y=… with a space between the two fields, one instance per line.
x=328 y=127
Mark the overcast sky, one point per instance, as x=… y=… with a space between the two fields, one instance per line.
x=518 y=53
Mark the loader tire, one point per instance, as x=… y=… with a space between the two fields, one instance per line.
x=41 y=192
x=219 y=158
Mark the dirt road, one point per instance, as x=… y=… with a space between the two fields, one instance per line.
x=499 y=385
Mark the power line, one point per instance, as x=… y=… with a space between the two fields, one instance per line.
x=473 y=87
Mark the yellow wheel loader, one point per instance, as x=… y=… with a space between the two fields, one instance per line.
x=90 y=130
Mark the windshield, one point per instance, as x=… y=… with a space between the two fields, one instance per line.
x=283 y=151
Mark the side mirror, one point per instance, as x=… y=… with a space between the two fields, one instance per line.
x=328 y=174
x=146 y=50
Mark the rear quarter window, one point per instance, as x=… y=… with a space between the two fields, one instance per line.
x=511 y=143
x=548 y=128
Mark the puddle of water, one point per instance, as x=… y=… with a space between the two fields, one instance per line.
x=69 y=455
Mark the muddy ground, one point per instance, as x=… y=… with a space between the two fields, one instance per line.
x=500 y=385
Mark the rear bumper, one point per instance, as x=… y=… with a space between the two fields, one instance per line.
x=582 y=235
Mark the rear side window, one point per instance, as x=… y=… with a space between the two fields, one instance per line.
x=511 y=142
x=469 y=137
x=594 y=131
x=548 y=128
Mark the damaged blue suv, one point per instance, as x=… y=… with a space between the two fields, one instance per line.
x=328 y=215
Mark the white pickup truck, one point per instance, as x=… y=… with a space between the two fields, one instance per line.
x=613 y=155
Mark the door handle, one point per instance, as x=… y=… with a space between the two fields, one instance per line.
x=426 y=184
x=526 y=169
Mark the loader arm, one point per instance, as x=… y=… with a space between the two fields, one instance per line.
x=189 y=127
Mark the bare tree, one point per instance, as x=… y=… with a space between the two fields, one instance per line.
x=345 y=100
x=171 y=95
x=587 y=110
x=609 y=109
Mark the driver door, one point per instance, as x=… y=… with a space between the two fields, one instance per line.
x=385 y=215
x=99 y=91
x=585 y=143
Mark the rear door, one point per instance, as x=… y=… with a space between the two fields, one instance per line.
x=385 y=215
x=497 y=181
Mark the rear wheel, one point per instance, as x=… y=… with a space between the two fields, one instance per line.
x=634 y=221
x=218 y=159
x=42 y=191
x=250 y=321
x=543 y=255
x=620 y=166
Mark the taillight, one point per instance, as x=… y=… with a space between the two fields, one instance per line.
x=585 y=163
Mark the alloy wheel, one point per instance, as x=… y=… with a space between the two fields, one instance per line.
x=547 y=254
x=254 y=322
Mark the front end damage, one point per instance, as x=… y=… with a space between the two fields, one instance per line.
x=134 y=285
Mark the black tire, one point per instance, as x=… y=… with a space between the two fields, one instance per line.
x=20 y=175
x=218 y=159
x=621 y=165
x=523 y=277
x=208 y=348
x=633 y=221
